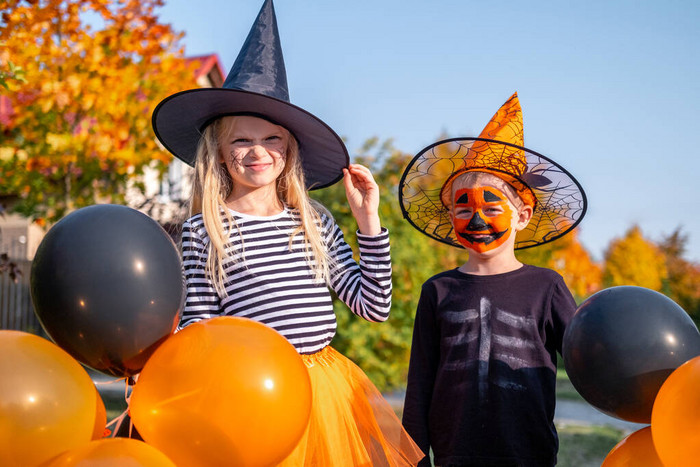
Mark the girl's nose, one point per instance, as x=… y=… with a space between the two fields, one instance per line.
x=258 y=150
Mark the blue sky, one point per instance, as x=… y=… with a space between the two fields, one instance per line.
x=609 y=89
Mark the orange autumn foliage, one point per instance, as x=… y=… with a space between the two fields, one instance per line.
x=80 y=127
x=582 y=275
x=568 y=257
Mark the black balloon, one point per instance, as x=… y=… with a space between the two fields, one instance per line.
x=107 y=287
x=622 y=344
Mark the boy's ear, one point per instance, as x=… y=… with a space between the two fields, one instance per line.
x=524 y=217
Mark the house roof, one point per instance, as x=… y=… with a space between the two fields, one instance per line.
x=209 y=71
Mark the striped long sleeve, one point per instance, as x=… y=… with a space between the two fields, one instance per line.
x=271 y=283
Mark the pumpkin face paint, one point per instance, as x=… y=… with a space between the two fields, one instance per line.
x=482 y=218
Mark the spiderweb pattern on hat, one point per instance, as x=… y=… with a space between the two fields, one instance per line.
x=560 y=200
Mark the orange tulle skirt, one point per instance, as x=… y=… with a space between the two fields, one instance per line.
x=351 y=423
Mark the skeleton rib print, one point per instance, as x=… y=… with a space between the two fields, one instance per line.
x=477 y=336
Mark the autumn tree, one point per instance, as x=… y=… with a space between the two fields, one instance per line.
x=634 y=260
x=80 y=129
x=10 y=72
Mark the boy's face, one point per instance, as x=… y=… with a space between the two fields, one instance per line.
x=483 y=217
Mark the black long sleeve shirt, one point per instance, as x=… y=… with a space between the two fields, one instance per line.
x=482 y=374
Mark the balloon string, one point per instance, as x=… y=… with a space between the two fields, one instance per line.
x=117 y=422
x=130 y=382
x=113 y=381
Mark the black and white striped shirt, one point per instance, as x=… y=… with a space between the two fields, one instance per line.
x=268 y=282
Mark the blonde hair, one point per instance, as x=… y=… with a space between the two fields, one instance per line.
x=476 y=178
x=213 y=184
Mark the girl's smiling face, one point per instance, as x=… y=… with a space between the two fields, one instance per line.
x=482 y=217
x=254 y=152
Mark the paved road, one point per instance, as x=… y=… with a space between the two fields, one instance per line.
x=581 y=413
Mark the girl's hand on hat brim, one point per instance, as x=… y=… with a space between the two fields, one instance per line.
x=363 y=197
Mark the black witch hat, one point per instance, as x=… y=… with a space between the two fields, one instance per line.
x=256 y=85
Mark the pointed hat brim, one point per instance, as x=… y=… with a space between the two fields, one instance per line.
x=178 y=122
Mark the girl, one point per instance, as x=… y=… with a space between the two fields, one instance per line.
x=258 y=247
x=269 y=257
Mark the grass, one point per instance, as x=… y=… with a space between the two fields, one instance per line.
x=582 y=446
x=566 y=390
x=586 y=446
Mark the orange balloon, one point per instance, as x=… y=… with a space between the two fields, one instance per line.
x=98 y=429
x=225 y=391
x=112 y=452
x=47 y=400
x=635 y=450
x=675 y=416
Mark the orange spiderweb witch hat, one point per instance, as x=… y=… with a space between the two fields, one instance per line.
x=558 y=200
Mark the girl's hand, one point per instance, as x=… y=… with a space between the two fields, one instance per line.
x=363 y=197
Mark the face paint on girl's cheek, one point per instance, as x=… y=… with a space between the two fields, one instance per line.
x=481 y=217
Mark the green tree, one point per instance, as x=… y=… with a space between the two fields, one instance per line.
x=382 y=349
x=634 y=260
x=683 y=282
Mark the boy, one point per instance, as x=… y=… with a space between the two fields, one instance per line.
x=482 y=373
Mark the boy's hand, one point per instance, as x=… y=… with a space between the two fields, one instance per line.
x=363 y=197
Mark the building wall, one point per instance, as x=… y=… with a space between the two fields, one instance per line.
x=19 y=237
